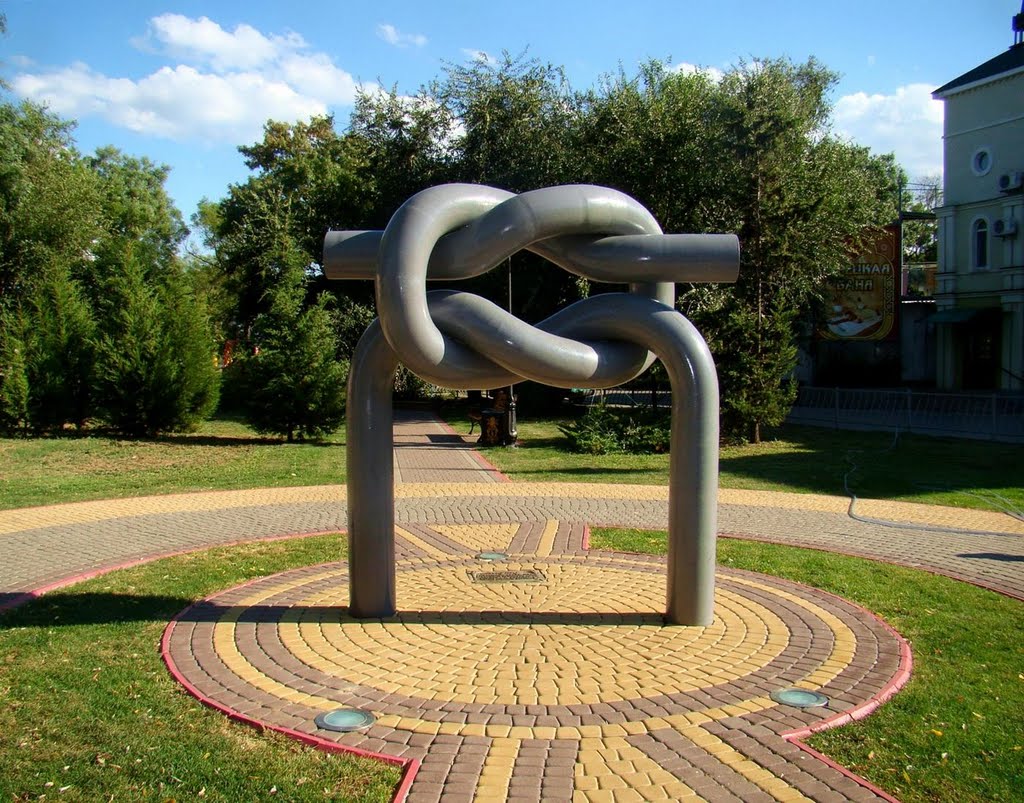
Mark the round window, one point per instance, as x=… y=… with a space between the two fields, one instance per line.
x=981 y=162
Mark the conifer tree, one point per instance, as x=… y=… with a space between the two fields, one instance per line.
x=295 y=385
x=155 y=370
x=61 y=354
x=13 y=376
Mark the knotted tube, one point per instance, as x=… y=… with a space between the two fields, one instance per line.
x=459 y=340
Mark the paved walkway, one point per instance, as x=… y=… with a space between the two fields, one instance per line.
x=545 y=675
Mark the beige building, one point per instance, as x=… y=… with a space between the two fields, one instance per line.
x=979 y=314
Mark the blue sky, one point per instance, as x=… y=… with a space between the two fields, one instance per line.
x=185 y=83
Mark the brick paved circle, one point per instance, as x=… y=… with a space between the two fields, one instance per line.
x=579 y=663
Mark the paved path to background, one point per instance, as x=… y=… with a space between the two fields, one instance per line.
x=442 y=480
x=594 y=721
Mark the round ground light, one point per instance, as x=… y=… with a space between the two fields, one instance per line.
x=491 y=556
x=799 y=698
x=345 y=720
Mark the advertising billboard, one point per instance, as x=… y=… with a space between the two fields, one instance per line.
x=861 y=302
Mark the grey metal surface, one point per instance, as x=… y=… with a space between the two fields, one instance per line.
x=459 y=340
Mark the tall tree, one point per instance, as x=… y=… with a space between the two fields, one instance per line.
x=293 y=382
x=409 y=144
x=49 y=201
x=306 y=177
x=155 y=360
x=657 y=136
x=521 y=123
x=60 y=353
x=142 y=227
x=799 y=200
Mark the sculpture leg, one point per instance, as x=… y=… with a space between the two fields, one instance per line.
x=693 y=482
x=371 y=477
x=693 y=467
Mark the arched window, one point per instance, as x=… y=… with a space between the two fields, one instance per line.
x=979 y=244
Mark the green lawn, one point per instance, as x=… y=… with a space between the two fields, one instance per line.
x=90 y=712
x=956 y=731
x=221 y=455
x=914 y=468
x=228 y=455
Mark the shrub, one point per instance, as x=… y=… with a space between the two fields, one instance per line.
x=602 y=430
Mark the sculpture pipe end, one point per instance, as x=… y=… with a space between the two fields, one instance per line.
x=351 y=254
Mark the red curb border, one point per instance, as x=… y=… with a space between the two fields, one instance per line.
x=474 y=453
x=35 y=593
x=409 y=766
x=865 y=709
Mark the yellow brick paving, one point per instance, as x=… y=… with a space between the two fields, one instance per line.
x=610 y=768
x=444 y=659
x=758 y=775
x=500 y=663
x=480 y=537
x=30 y=518
x=21 y=519
x=497 y=771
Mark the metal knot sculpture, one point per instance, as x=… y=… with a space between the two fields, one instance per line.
x=462 y=341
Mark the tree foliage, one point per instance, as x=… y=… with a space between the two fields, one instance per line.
x=94 y=302
x=14 y=387
x=155 y=368
x=61 y=353
x=50 y=205
x=750 y=152
x=293 y=381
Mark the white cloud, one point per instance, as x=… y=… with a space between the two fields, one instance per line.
x=227 y=86
x=480 y=55
x=203 y=40
x=318 y=76
x=686 y=68
x=179 y=102
x=391 y=35
x=907 y=123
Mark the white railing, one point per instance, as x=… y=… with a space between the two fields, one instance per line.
x=986 y=416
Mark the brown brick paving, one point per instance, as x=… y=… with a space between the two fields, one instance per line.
x=572 y=688
x=518 y=707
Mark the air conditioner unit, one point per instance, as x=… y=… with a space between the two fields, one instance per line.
x=1005 y=228
x=1008 y=182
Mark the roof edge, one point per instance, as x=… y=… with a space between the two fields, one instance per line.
x=1005 y=65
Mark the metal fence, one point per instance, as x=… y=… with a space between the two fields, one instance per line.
x=622 y=397
x=986 y=416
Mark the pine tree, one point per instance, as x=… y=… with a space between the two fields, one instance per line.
x=188 y=339
x=295 y=384
x=155 y=370
x=61 y=354
x=13 y=376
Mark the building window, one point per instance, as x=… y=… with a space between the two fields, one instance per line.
x=981 y=162
x=979 y=244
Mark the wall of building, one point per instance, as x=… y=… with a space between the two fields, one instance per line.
x=989 y=118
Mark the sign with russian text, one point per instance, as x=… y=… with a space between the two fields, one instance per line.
x=861 y=302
